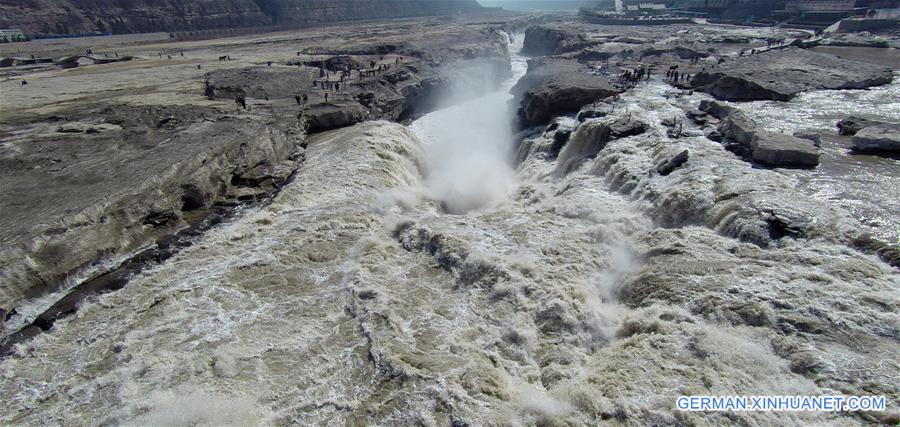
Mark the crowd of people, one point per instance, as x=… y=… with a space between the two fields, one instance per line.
x=675 y=76
x=344 y=73
x=632 y=77
x=330 y=80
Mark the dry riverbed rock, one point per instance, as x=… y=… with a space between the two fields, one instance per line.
x=75 y=202
x=551 y=39
x=555 y=86
x=324 y=116
x=783 y=73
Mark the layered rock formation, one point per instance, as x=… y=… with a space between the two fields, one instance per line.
x=148 y=154
x=633 y=260
x=871 y=135
x=853 y=124
x=113 y=181
x=550 y=39
x=744 y=137
x=84 y=16
x=400 y=91
x=783 y=73
x=592 y=136
x=555 y=86
x=878 y=138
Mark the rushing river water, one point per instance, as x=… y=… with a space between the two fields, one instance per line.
x=868 y=185
x=418 y=276
x=469 y=145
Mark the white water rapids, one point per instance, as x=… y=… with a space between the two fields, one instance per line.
x=468 y=147
x=416 y=276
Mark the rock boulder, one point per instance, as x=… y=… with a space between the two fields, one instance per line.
x=815 y=137
x=853 y=124
x=597 y=109
x=626 y=126
x=715 y=109
x=738 y=127
x=667 y=166
x=878 y=138
x=325 y=116
x=780 y=150
x=549 y=40
x=743 y=137
x=557 y=86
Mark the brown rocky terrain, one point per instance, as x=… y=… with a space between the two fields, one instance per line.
x=577 y=63
x=580 y=67
x=105 y=161
x=556 y=86
x=83 y=190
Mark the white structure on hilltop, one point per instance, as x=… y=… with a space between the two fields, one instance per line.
x=634 y=6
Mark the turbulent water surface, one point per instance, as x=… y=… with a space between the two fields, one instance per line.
x=417 y=275
x=868 y=185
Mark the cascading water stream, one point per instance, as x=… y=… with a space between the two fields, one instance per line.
x=468 y=146
x=353 y=299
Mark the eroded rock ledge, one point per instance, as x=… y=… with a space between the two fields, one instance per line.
x=91 y=194
x=744 y=137
x=129 y=176
x=554 y=86
x=783 y=73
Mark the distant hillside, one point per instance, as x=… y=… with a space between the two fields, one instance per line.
x=539 y=5
x=138 y=16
